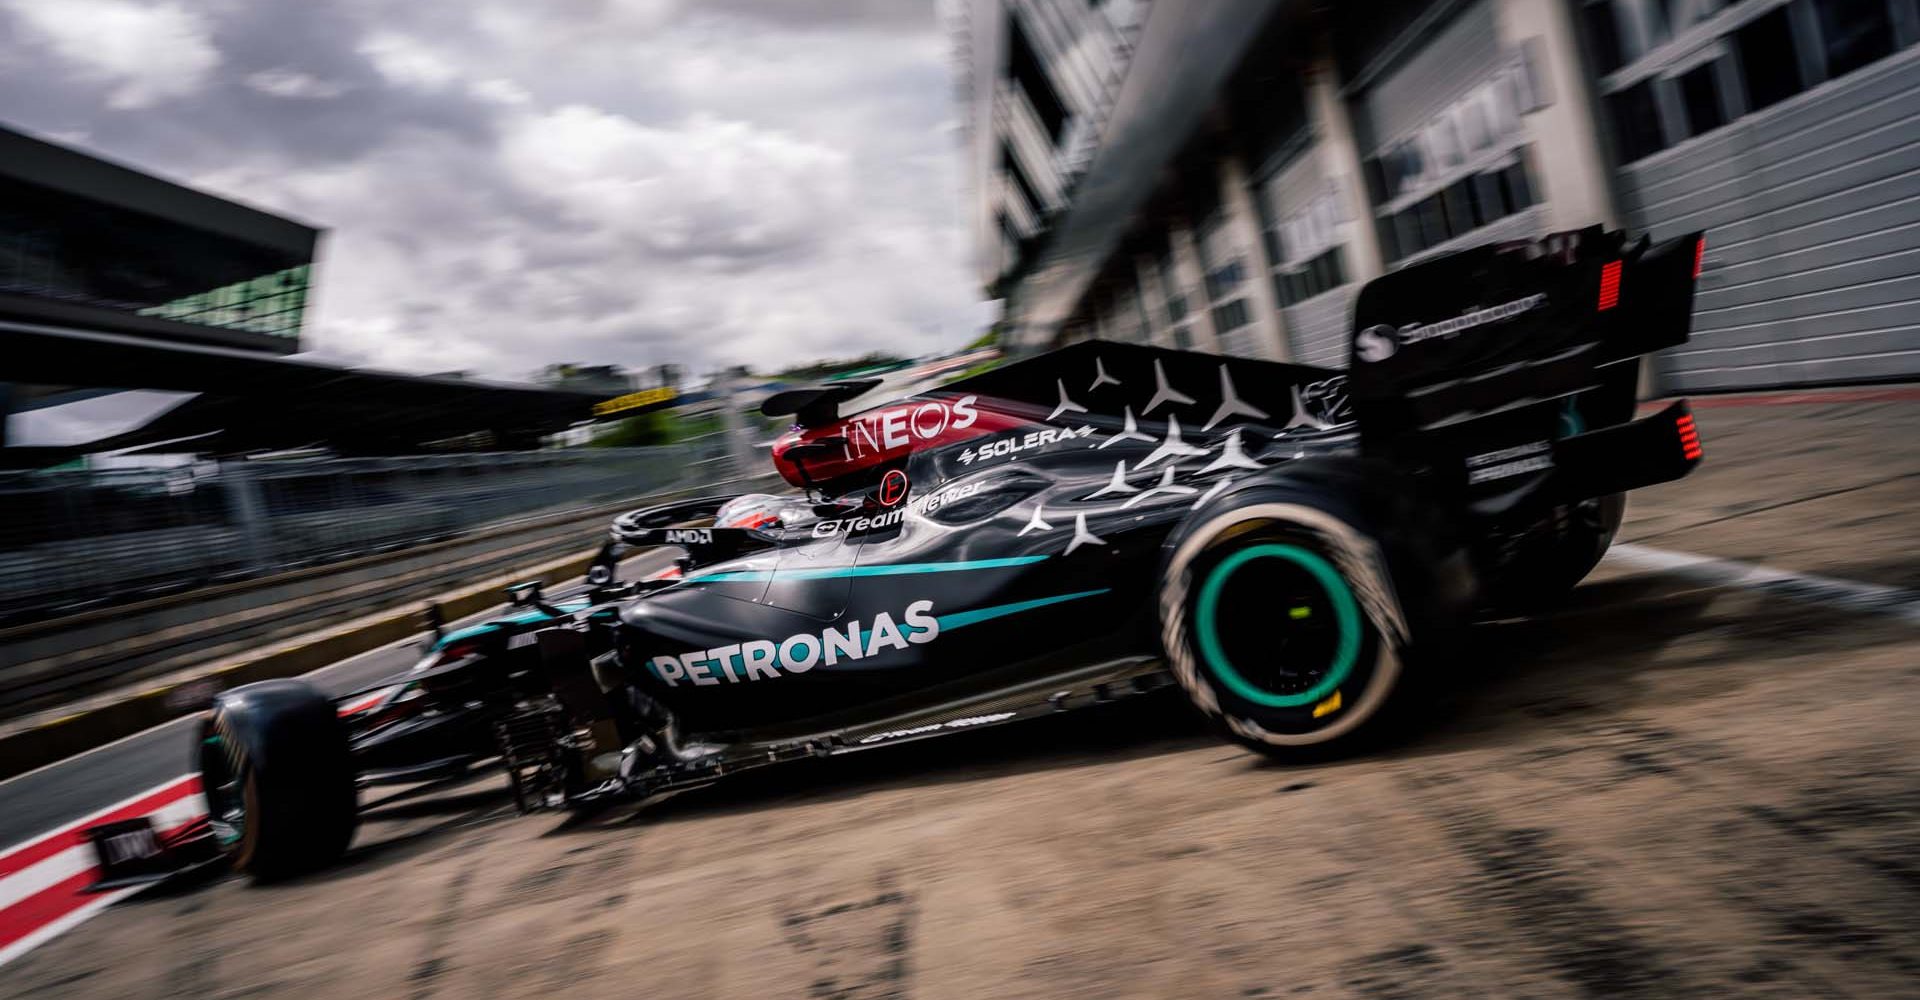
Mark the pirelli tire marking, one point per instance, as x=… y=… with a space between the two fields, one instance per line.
x=1358 y=559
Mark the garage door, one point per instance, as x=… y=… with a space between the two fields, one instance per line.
x=1812 y=213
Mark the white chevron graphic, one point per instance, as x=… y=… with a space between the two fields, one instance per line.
x=1214 y=492
x=1165 y=485
x=1231 y=456
x=1066 y=405
x=1081 y=536
x=1172 y=447
x=1035 y=523
x=1231 y=404
x=1129 y=431
x=1162 y=392
x=1100 y=376
x=1118 y=484
x=1301 y=419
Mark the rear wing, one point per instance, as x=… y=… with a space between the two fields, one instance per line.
x=1486 y=365
x=1471 y=333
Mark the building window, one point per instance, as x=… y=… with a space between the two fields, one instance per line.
x=1854 y=33
x=1459 y=201
x=1433 y=221
x=1700 y=92
x=1026 y=69
x=1230 y=316
x=1516 y=183
x=1406 y=226
x=1468 y=204
x=1321 y=274
x=1603 y=37
x=1035 y=207
x=1489 y=199
x=1768 y=63
x=1636 y=121
x=1223 y=280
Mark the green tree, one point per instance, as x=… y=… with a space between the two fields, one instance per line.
x=637 y=431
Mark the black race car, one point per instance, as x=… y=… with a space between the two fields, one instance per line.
x=1284 y=543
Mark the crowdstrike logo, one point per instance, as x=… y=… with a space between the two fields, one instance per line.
x=1378 y=343
x=763 y=659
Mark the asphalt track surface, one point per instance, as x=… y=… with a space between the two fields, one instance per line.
x=1700 y=778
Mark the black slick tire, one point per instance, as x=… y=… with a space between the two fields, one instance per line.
x=279 y=779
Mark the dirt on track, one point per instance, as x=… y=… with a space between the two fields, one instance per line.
x=1661 y=790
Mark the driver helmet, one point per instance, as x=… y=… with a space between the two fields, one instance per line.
x=760 y=510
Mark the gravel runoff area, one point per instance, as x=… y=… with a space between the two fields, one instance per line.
x=1665 y=789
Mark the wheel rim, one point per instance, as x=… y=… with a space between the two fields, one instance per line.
x=1318 y=620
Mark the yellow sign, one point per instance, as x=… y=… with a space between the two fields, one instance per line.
x=633 y=401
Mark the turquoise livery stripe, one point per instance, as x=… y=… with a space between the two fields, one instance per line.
x=960 y=619
x=474 y=631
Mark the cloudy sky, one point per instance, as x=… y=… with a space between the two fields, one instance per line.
x=510 y=183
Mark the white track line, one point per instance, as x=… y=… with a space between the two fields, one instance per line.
x=26 y=883
x=1848 y=594
x=55 y=869
x=67 y=921
x=96 y=814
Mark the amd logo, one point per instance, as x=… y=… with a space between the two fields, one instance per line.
x=689 y=536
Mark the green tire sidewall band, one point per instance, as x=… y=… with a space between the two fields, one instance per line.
x=1346 y=612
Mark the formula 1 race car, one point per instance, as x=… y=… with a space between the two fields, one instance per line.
x=1287 y=544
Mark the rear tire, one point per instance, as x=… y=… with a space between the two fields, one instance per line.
x=1281 y=612
x=279 y=778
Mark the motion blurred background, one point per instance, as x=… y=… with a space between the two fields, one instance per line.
x=283 y=286
x=313 y=313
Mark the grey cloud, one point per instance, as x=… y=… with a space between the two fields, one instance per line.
x=627 y=182
x=864 y=14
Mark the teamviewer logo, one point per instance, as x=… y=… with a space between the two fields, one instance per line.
x=1375 y=343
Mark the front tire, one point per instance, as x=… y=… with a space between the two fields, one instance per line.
x=279 y=779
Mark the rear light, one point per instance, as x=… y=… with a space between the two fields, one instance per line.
x=1689 y=437
x=1699 y=256
x=1609 y=286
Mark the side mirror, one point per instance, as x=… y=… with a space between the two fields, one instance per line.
x=524 y=594
x=436 y=624
x=605 y=570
